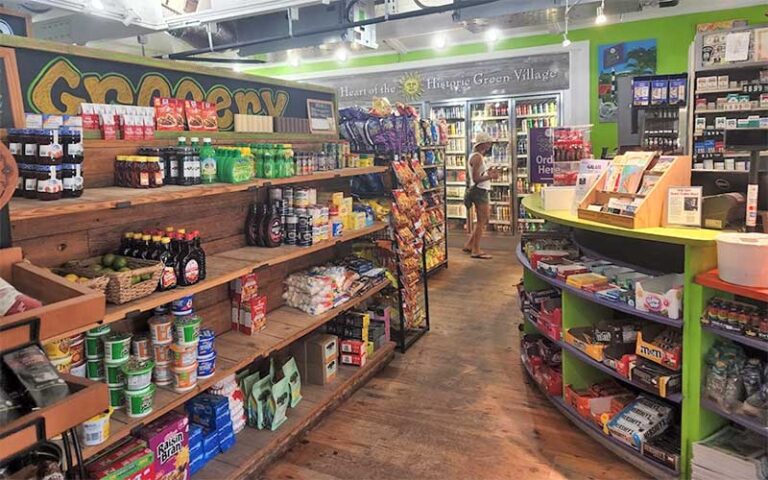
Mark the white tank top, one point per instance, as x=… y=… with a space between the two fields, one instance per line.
x=485 y=184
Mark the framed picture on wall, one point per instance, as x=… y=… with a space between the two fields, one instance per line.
x=11 y=102
x=322 y=116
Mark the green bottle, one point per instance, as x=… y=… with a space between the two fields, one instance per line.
x=280 y=161
x=258 y=153
x=270 y=169
x=290 y=166
x=208 y=164
x=195 y=144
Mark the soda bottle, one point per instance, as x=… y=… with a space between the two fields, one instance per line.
x=208 y=171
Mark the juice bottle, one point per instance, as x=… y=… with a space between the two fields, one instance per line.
x=280 y=161
x=208 y=162
x=269 y=162
x=167 y=280
x=258 y=152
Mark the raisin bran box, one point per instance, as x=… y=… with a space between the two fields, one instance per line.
x=168 y=439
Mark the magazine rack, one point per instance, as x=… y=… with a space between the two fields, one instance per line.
x=652 y=211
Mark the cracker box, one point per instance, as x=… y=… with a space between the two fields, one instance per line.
x=168 y=439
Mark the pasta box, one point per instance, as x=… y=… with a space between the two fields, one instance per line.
x=660 y=295
x=168 y=439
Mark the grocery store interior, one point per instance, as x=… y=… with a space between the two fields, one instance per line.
x=383 y=239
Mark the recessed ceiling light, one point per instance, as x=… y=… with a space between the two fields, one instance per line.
x=440 y=41
x=492 y=35
x=600 y=18
x=342 y=54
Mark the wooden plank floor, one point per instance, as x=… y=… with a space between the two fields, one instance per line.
x=458 y=405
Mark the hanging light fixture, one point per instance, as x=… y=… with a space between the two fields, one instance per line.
x=566 y=41
x=492 y=36
x=601 y=18
x=342 y=54
x=440 y=41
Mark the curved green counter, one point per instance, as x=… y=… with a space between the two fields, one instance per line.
x=696 y=421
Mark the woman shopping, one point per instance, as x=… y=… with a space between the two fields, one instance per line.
x=478 y=194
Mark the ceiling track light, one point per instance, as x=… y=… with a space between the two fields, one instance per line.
x=566 y=41
x=600 y=18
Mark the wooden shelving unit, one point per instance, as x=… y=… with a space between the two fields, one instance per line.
x=235 y=351
x=222 y=268
x=254 y=449
x=107 y=198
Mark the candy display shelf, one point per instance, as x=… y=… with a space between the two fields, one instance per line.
x=106 y=198
x=254 y=448
x=755 y=343
x=235 y=351
x=695 y=251
x=221 y=269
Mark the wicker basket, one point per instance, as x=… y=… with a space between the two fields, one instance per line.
x=95 y=282
x=121 y=288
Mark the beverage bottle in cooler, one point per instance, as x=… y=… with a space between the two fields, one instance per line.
x=270 y=169
x=280 y=162
x=258 y=154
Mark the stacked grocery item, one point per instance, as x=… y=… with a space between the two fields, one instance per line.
x=296 y=216
x=409 y=218
x=249 y=309
x=559 y=258
x=737 y=380
x=49 y=159
x=270 y=390
x=123 y=122
x=543 y=359
x=740 y=318
x=379 y=129
x=543 y=308
x=360 y=335
x=643 y=423
x=210 y=429
x=323 y=288
x=732 y=453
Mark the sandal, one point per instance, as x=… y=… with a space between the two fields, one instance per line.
x=466 y=250
x=482 y=256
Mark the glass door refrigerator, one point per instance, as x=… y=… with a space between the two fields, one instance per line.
x=454 y=114
x=493 y=116
x=529 y=112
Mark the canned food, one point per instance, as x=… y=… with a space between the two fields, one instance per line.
x=162 y=373
x=117 y=347
x=140 y=347
x=58 y=348
x=182 y=306
x=183 y=355
x=114 y=374
x=161 y=352
x=186 y=330
x=161 y=328
x=207 y=338
x=94 y=369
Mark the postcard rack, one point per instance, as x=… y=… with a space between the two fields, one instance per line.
x=646 y=194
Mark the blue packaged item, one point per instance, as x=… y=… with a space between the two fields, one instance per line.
x=196 y=451
x=206 y=366
x=182 y=306
x=195 y=435
x=206 y=342
x=226 y=439
x=205 y=409
x=196 y=465
x=210 y=444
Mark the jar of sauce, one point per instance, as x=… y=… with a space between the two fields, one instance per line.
x=16 y=148
x=72 y=163
x=170 y=166
x=29 y=142
x=189 y=166
x=49 y=170
x=155 y=172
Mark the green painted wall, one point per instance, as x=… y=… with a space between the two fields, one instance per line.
x=673 y=36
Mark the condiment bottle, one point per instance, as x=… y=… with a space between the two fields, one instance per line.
x=208 y=172
x=72 y=163
x=188 y=270
x=198 y=243
x=168 y=278
x=126 y=244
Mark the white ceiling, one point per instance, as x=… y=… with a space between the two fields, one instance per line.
x=117 y=26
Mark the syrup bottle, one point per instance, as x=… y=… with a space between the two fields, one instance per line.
x=189 y=266
x=168 y=278
x=198 y=244
x=273 y=227
x=252 y=222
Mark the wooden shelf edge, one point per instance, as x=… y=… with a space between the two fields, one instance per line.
x=712 y=280
x=119 y=197
x=116 y=313
x=121 y=431
x=283 y=439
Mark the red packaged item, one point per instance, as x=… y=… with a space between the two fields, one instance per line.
x=355 y=347
x=169 y=113
x=90 y=117
x=352 y=359
x=103 y=462
x=13 y=301
x=148 y=124
x=108 y=126
x=195 y=112
x=210 y=118
x=168 y=439
x=253 y=315
x=544 y=255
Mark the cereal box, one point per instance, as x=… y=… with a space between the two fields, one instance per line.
x=195 y=111
x=168 y=439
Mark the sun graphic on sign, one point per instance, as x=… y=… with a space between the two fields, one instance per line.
x=410 y=85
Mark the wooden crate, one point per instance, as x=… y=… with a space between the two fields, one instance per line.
x=87 y=398
x=651 y=212
x=66 y=305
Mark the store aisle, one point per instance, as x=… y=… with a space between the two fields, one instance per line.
x=458 y=405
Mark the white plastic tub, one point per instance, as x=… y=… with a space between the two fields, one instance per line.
x=742 y=258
